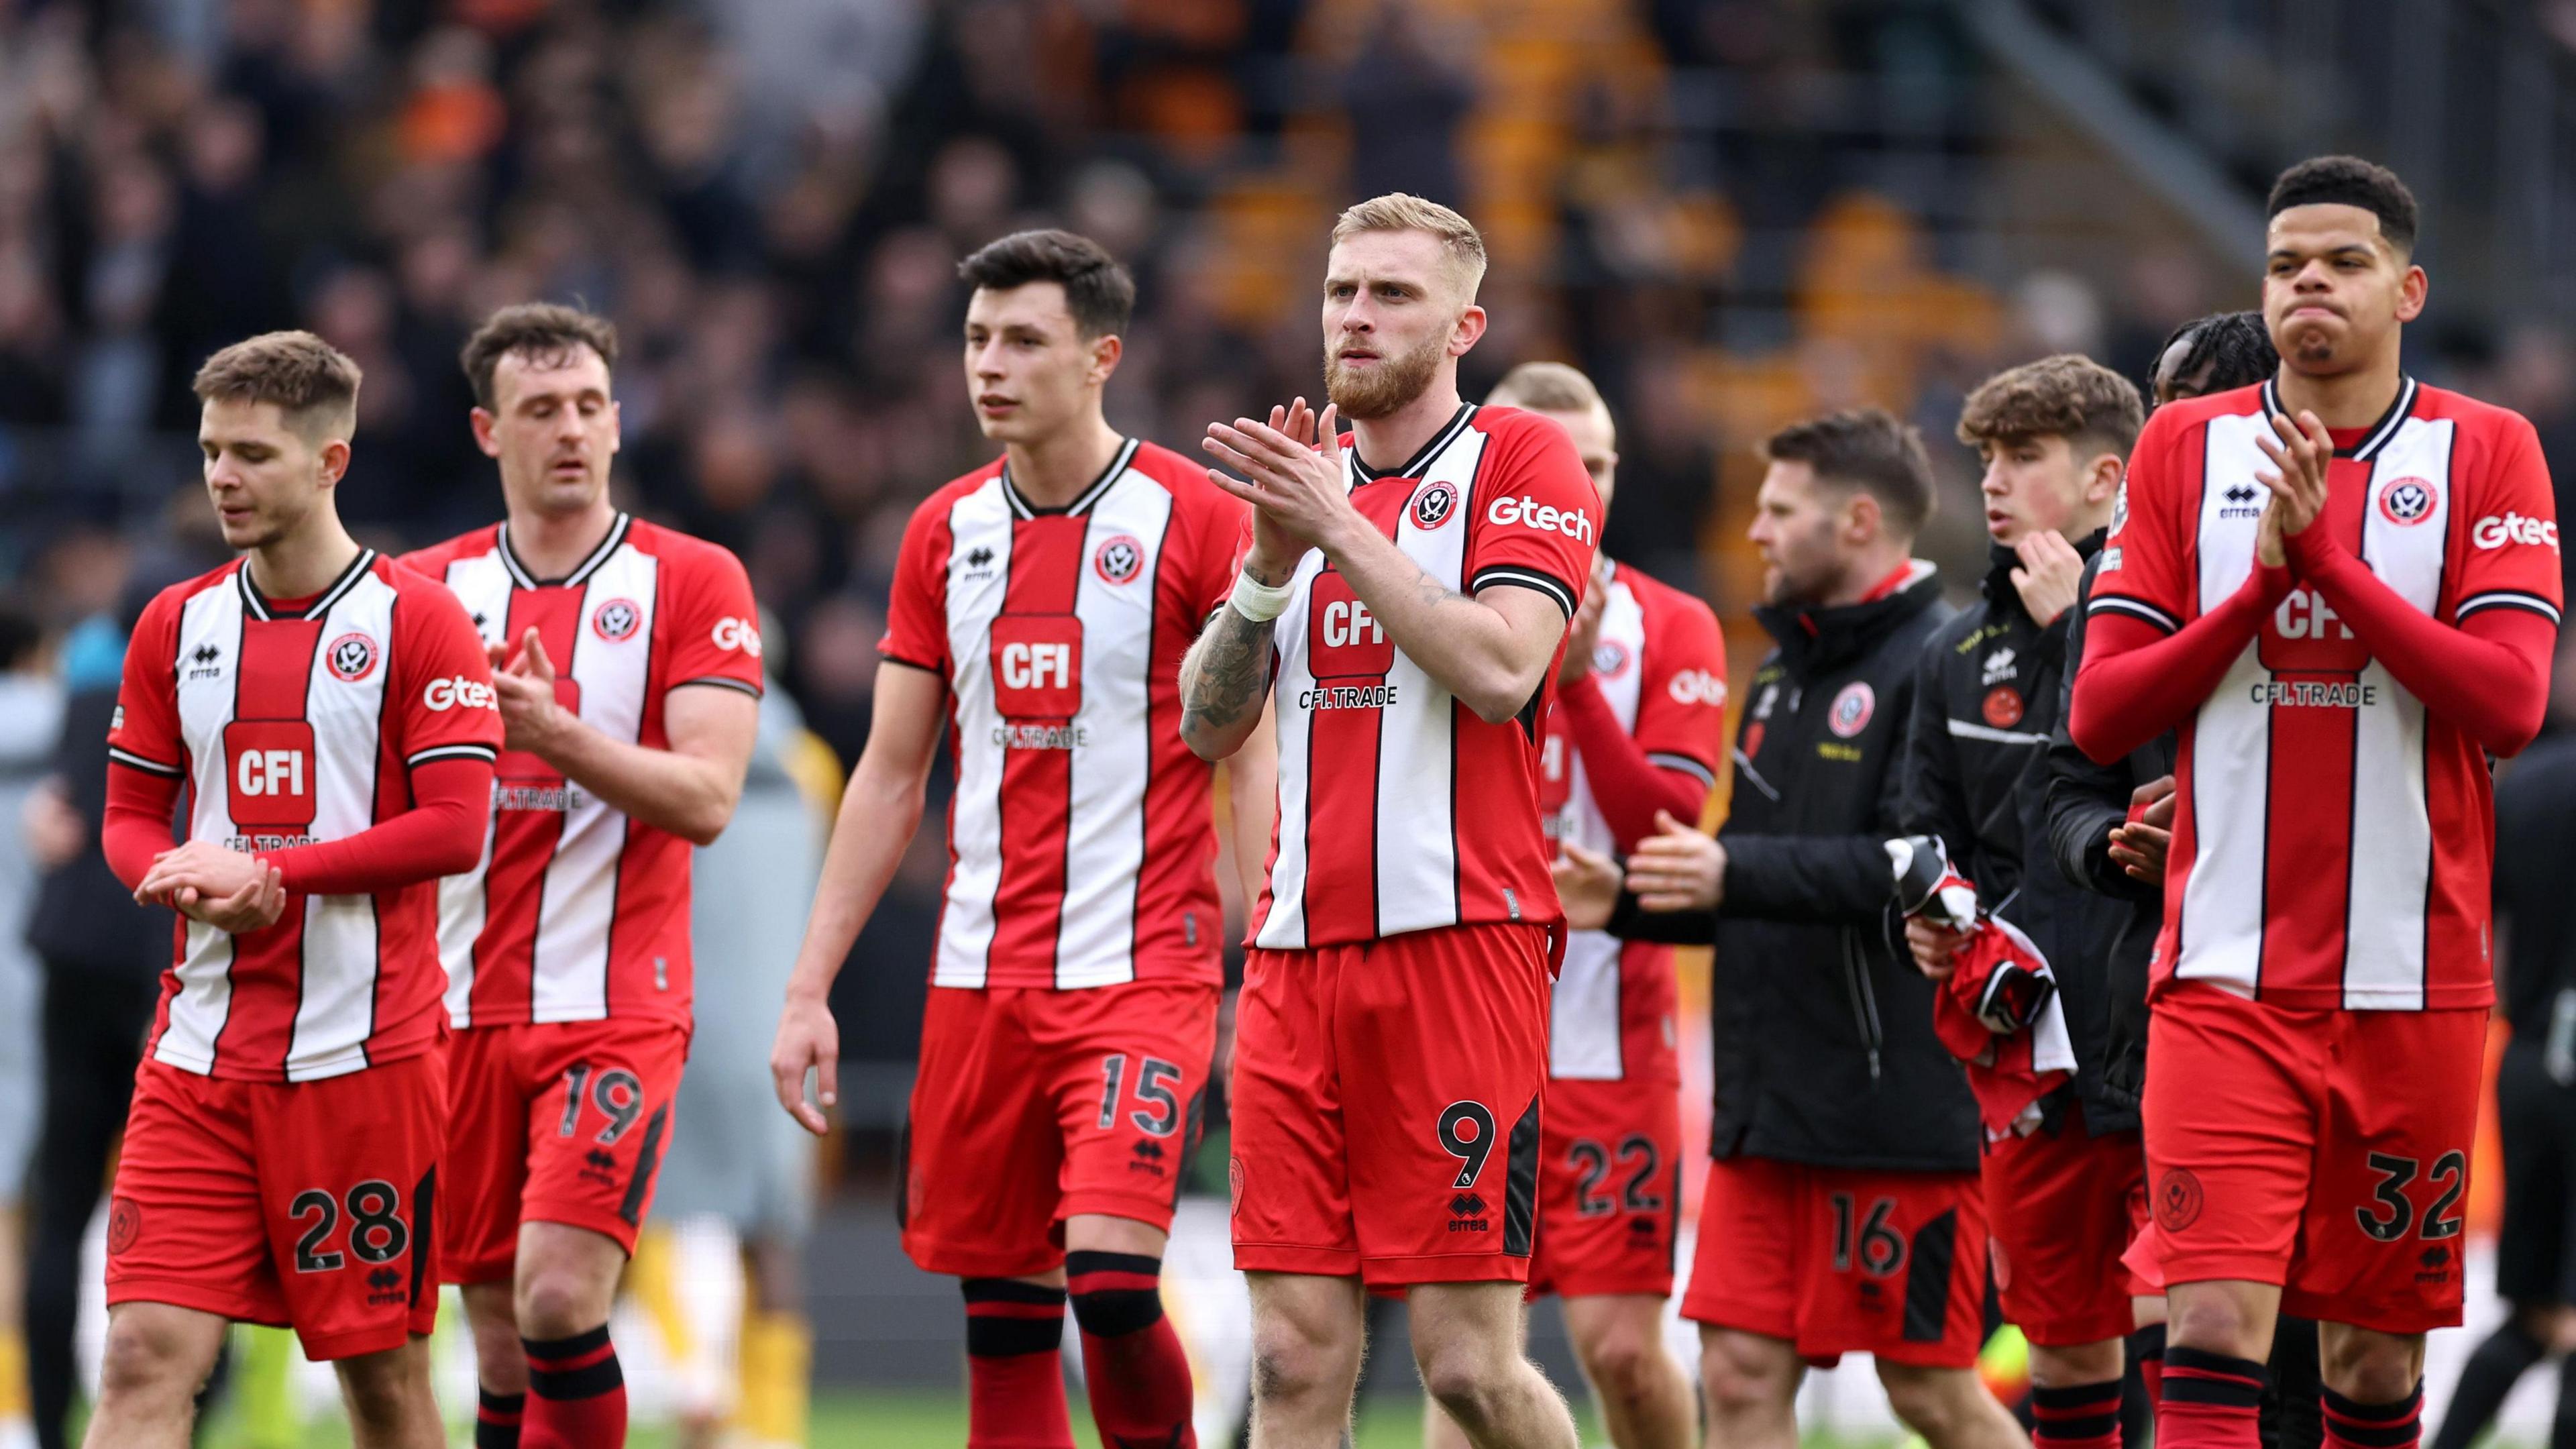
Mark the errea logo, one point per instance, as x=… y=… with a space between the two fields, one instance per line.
x=2494 y=532
x=459 y=692
x=1528 y=512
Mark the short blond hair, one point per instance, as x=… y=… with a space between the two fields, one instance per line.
x=1547 y=387
x=1460 y=242
x=312 y=382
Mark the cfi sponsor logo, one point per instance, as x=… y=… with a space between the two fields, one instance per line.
x=1696 y=686
x=1528 y=512
x=459 y=692
x=2493 y=531
x=1433 y=503
x=740 y=634
x=1852 y=709
x=2406 y=502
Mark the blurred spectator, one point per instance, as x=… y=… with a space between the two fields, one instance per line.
x=31 y=709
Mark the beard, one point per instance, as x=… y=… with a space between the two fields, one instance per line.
x=1378 y=392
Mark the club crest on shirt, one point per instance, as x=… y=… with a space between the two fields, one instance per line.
x=617 y=619
x=1610 y=658
x=1433 y=503
x=351 y=657
x=1118 y=558
x=2003 y=707
x=2406 y=502
x=1852 y=709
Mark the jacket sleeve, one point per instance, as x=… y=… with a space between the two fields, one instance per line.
x=1930 y=800
x=1674 y=928
x=1822 y=879
x=2086 y=800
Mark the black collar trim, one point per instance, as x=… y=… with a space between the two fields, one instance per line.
x=1420 y=463
x=1021 y=507
x=2380 y=431
x=524 y=577
x=260 y=608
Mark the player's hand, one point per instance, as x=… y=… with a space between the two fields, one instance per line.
x=2050 y=573
x=255 y=907
x=1583 y=636
x=808 y=1040
x=2301 y=452
x=54 y=831
x=1295 y=486
x=1935 y=947
x=2139 y=846
x=1587 y=884
x=1679 y=868
x=200 y=868
x=532 y=717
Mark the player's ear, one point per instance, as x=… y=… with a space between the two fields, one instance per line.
x=484 y=422
x=1106 y=349
x=2411 y=290
x=1469 y=328
x=335 y=461
x=1863 y=521
x=2102 y=478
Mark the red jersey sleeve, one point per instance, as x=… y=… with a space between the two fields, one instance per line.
x=917 y=611
x=1223 y=537
x=443 y=704
x=1681 y=698
x=714 y=624
x=2146 y=561
x=144 y=732
x=1538 y=520
x=2511 y=558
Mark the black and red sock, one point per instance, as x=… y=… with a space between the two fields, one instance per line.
x=496 y=1419
x=2147 y=1347
x=1014 y=1381
x=576 y=1393
x=1131 y=1360
x=2351 y=1424
x=2076 y=1416
x=2209 y=1401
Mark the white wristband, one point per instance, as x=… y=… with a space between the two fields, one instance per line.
x=1258 y=602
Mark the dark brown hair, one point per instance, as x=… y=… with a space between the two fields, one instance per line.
x=313 y=383
x=1865 y=448
x=1097 y=291
x=2075 y=398
x=546 y=332
x=2350 y=181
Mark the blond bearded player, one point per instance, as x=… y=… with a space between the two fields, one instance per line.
x=1406 y=591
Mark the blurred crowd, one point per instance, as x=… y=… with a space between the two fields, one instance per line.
x=1729 y=211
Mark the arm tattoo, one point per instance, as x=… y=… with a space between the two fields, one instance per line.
x=1225 y=675
x=1435 y=593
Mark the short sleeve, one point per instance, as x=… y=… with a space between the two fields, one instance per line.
x=715 y=625
x=143 y=734
x=443 y=700
x=2144 y=561
x=917 y=612
x=1536 y=519
x=1681 y=697
x=2512 y=557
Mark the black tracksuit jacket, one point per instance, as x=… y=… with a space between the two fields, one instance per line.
x=1823 y=1028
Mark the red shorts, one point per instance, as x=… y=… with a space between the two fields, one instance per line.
x=1609 y=1188
x=1386 y=1107
x=2326 y=1151
x=1034 y=1104
x=2063 y=1207
x=1843 y=1260
x=306 y=1205
x=554 y=1122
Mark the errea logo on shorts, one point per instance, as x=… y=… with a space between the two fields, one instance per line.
x=742 y=634
x=2494 y=532
x=459 y=692
x=1697 y=686
x=1574 y=523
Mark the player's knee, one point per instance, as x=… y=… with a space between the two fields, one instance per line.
x=1736 y=1387
x=1290 y=1365
x=2212 y=1323
x=1466 y=1380
x=2371 y=1368
x=1623 y=1363
x=559 y=1303
x=1931 y=1402
x=384 y=1388
x=145 y=1360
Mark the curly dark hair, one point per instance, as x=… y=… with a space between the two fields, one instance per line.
x=2350 y=181
x=546 y=332
x=2235 y=346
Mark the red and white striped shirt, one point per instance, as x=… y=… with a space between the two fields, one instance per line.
x=578 y=912
x=1081 y=839
x=2334 y=839
x=1660 y=664
x=1399 y=809
x=291 y=726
